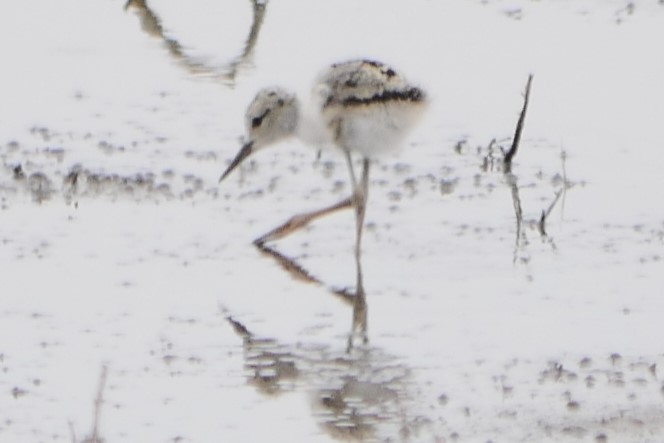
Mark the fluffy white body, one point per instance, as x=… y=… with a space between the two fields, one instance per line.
x=366 y=107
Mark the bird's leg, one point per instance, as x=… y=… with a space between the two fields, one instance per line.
x=299 y=221
x=357 y=200
x=351 y=171
x=360 y=196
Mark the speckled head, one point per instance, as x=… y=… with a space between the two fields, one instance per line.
x=271 y=117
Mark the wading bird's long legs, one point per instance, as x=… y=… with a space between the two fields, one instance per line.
x=357 y=200
x=360 y=196
x=363 y=108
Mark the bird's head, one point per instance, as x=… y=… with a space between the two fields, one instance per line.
x=272 y=116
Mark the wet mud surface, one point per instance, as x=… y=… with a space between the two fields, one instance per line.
x=495 y=305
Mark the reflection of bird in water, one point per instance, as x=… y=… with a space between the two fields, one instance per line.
x=151 y=24
x=360 y=106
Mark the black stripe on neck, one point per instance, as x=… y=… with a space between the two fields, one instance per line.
x=414 y=95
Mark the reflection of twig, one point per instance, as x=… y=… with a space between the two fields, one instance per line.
x=519 y=128
x=566 y=184
x=99 y=401
x=518 y=211
x=72 y=431
x=151 y=24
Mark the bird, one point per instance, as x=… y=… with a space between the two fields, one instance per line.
x=362 y=107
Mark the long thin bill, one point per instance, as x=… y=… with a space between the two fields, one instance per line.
x=245 y=152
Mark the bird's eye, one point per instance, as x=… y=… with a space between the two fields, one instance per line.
x=257 y=121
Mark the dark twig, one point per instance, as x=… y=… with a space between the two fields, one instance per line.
x=519 y=128
x=542 y=224
x=545 y=214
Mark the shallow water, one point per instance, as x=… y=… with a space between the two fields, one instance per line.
x=119 y=250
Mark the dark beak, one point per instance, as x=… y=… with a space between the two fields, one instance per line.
x=246 y=151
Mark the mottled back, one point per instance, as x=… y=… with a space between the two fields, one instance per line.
x=363 y=82
x=367 y=106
